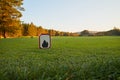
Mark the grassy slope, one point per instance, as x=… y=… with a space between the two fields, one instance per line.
x=74 y=58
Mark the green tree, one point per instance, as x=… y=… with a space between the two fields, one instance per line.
x=85 y=33
x=10 y=16
x=113 y=32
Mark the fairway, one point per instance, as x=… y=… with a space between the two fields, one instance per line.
x=69 y=58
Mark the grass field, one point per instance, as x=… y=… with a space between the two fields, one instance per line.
x=69 y=58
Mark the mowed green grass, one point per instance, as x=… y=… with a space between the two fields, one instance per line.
x=69 y=58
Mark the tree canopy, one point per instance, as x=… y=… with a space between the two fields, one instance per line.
x=10 y=16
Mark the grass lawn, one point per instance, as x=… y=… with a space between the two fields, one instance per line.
x=69 y=58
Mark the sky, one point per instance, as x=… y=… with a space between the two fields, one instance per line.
x=73 y=15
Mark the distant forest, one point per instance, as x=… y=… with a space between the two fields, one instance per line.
x=114 y=32
x=32 y=30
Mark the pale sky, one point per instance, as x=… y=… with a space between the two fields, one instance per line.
x=73 y=15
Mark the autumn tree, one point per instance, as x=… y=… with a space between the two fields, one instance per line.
x=65 y=34
x=10 y=16
x=61 y=33
x=25 y=29
x=45 y=31
x=32 y=30
x=39 y=30
x=51 y=32
x=57 y=33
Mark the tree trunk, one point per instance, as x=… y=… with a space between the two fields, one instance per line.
x=4 y=34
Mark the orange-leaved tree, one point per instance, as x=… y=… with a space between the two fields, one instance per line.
x=10 y=16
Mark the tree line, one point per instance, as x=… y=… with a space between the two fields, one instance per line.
x=33 y=30
x=26 y=29
x=114 y=32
